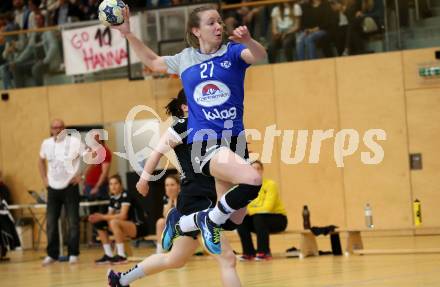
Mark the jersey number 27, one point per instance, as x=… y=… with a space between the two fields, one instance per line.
x=205 y=67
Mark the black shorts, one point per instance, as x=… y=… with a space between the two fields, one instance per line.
x=196 y=195
x=202 y=152
x=141 y=228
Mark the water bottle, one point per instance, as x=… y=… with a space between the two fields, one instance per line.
x=368 y=216
x=306 y=217
x=417 y=212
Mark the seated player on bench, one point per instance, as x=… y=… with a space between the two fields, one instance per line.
x=124 y=219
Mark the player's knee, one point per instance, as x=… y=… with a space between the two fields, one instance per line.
x=114 y=223
x=160 y=223
x=257 y=179
x=228 y=259
x=252 y=177
x=175 y=263
x=180 y=263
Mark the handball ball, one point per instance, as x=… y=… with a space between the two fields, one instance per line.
x=110 y=12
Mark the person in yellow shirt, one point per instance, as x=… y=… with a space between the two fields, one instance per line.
x=266 y=215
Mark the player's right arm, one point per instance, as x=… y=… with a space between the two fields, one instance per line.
x=167 y=142
x=147 y=56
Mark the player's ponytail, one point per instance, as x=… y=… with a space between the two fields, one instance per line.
x=174 y=107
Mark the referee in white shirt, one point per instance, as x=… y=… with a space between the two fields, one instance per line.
x=59 y=164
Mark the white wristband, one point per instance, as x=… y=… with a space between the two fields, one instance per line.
x=145 y=175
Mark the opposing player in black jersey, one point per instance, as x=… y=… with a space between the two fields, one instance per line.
x=125 y=218
x=197 y=193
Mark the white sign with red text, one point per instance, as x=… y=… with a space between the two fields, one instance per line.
x=96 y=48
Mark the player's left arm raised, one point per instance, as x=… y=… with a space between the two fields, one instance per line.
x=254 y=51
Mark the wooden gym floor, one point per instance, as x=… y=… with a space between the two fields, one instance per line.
x=370 y=270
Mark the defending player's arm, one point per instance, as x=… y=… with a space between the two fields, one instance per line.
x=167 y=142
x=147 y=56
x=254 y=51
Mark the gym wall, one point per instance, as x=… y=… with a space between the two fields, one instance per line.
x=379 y=91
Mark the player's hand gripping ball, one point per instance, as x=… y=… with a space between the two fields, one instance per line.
x=110 y=12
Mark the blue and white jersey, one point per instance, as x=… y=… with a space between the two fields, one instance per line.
x=214 y=87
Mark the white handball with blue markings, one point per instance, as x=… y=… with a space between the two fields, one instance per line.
x=110 y=12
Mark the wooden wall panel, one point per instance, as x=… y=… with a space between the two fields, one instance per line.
x=424 y=131
x=412 y=60
x=76 y=104
x=371 y=96
x=163 y=91
x=259 y=113
x=356 y=92
x=24 y=121
x=305 y=98
x=120 y=96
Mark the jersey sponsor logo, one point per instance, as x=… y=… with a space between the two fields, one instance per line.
x=226 y=64
x=215 y=114
x=211 y=93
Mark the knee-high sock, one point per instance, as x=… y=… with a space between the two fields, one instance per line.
x=237 y=197
x=131 y=275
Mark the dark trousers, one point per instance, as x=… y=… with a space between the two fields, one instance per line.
x=262 y=225
x=355 y=36
x=340 y=39
x=288 y=44
x=69 y=197
x=38 y=71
